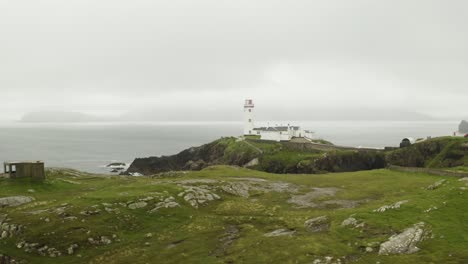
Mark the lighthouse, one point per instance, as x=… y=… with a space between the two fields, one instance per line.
x=248 y=117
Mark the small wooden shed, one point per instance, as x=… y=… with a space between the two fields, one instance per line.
x=23 y=169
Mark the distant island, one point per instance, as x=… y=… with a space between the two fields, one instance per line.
x=149 y=115
x=463 y=127
x=60 y=117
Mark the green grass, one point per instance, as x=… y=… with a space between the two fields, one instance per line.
x=189 y=235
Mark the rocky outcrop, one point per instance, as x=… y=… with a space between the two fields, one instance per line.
x=137 y=205
x=38 y=248
x=8 y=230
x=169 y=202
x=342 y=161
x=103 y=240
x=463 y=127
x=237 y=188
x=317 y=224
x=390 y=207
x=197 y=196
x=15 y=201
x=405 y=242
x=436 y=185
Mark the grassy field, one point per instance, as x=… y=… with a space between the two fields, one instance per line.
x=77 y=208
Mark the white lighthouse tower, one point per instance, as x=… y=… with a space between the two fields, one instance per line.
x=248 y=117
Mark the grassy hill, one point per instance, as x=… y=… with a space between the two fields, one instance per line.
x=274 y=157
x=443 y=152
x=227 y=214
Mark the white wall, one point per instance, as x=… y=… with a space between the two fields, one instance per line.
x=249 y=126
x=275 y=136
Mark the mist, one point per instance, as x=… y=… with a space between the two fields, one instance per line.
x=198 y=60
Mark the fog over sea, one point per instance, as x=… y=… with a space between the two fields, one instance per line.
x=91 y=146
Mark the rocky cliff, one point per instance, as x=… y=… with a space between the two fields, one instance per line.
x=265 y=156
x=223 y=151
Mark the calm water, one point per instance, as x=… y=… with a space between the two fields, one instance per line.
x=90 y=147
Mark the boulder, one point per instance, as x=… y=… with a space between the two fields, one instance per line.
x=280 y=232
x=137 y=205
x=349 y=222
x=71 y=249
x=317 y=224
x=405 y=242
x=15 y=201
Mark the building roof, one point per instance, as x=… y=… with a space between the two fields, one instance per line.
x=22 y=162
x=277 y=128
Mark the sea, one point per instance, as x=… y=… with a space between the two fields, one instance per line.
x=91 y=147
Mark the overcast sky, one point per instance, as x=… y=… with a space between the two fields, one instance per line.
x=110 y=57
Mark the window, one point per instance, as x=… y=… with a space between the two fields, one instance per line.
x=250 y=132
x=250 y=120
x=250 y=110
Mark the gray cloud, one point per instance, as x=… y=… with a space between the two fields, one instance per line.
x=112 y=57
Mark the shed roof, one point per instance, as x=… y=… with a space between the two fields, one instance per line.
x=22 y=162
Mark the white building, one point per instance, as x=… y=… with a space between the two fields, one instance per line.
x=276 y=133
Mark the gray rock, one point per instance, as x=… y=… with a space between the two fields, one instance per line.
x=169 y=202
x=389 y=207
x=137 y=205
x=328 y=260
x=252 y=163
x=53 y=252
x=464 y=179
x=351 y=221
x=280 y=232
x=197 y=196
x=405 y=242
x=8 y=230
x=436 y=185
x=103 y=240
x=237 y=188
x=89 y=213
x=317 y=224
x=15 y=201
x=71 y=249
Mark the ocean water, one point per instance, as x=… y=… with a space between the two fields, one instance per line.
x=90 y=147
